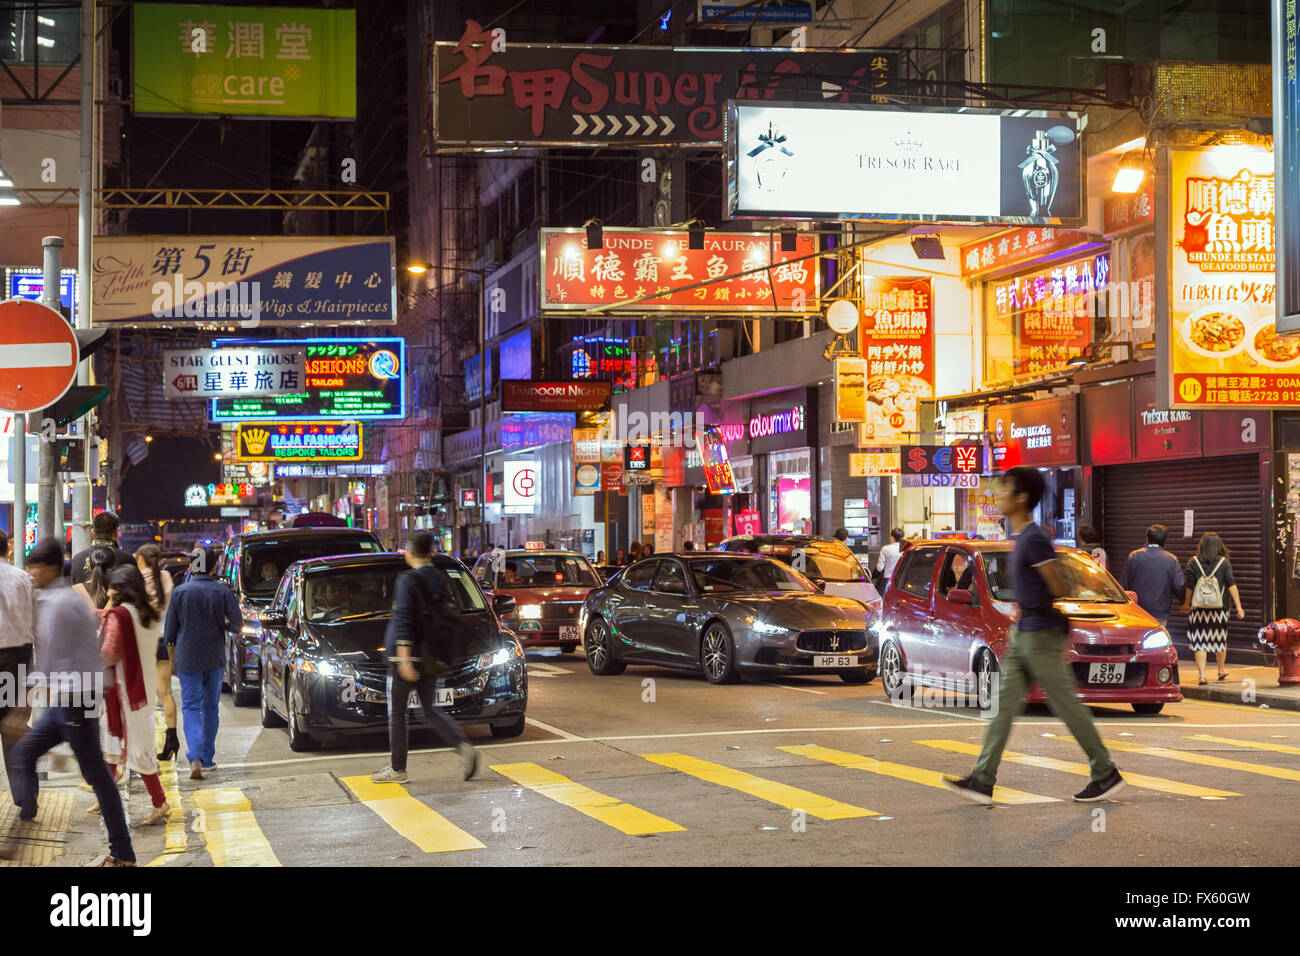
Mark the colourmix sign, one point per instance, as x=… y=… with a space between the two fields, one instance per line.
x=346 y=379
x=820 y=161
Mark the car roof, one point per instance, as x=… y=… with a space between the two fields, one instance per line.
x=303 y=533
x=369 y=557
x=545 y=553
x=786 y=538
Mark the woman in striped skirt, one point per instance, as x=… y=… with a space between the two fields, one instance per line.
x=1207 y=625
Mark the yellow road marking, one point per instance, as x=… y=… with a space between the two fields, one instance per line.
x=176 y=840
x=427 y=829
x=1253 y=744
x=929 y=778
x=824 y=808
x=230 y=829
x=608 y=810
x=1082 y=770
x=1204 y=760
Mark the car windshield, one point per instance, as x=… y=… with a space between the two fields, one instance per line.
x=822 y=560
x=714 y=575
x=263 y=562
x=1085 y=579
x=547 y=571
x=337 y=594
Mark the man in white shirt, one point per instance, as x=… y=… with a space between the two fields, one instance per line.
x=889 y=556
x=17 y=612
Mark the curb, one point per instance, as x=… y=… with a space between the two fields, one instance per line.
x=1231 y=694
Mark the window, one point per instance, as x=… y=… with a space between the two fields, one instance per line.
x=959 y=572
x=639 y=576
x=264 y=560
x=914 y=577
x=46 y=33
x=756 y=574
x=670 y=578
x=548 y=570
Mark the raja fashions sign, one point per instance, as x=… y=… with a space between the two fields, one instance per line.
x=244 y=61
x=1218 y=346
x=229 y=280
x=896 y=337
x=638 y=262
x=231 y=372
x=526 y=94
x=300 y=441
x=819 y=161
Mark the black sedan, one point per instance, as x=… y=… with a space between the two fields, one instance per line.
x=322 y=656
x=727 y=615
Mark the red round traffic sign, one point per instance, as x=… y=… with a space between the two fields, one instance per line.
x=38 y=356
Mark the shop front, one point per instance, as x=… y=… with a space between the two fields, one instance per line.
x=1192 y=471
x=1043 y=434
x=781 y=427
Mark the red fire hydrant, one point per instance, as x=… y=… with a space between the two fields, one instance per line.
x=1284 y=637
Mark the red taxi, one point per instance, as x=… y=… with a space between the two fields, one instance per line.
x=548 y=587
x=950 y=606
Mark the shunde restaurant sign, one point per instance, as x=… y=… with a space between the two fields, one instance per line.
x=493 y=93
x=820 y=161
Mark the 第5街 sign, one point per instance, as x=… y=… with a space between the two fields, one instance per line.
x=343 y=379
x=301 y=441
x=244 y=61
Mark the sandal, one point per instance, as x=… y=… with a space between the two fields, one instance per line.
x=95 y=809
x=1202 y=682
x=159 y=815
x=110 y=861
x=1223 y=676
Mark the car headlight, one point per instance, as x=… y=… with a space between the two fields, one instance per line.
x=1156 y=639
x=503 y=655
x=763 y=627
x=531 y=612
x=328 y=668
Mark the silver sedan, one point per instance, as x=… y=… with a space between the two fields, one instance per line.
x=727 y=615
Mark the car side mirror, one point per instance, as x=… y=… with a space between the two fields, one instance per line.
x=960 y=596
x=1132 y=596
x=504 y=604
x=273 y=619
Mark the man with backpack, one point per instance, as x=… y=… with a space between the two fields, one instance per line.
x=420 y=644
x=1155 y=576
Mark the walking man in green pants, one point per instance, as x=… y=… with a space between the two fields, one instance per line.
x=1037 y=651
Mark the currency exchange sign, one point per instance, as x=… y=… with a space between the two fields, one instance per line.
x=582 y=95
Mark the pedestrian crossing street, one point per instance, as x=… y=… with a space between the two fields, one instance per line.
x=693 y=796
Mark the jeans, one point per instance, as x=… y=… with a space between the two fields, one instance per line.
x=81 y=732
x=1039 y=657
x=399 y=691
x=15 y=662
x=200 y=715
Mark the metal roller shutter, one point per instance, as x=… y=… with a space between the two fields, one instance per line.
x=1224 y=493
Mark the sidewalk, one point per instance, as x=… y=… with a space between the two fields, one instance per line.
x=1266 y=690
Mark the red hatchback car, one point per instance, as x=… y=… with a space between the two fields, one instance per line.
x=950 y=606
x=548 y=587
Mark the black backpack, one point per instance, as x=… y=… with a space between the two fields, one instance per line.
x=438 y=623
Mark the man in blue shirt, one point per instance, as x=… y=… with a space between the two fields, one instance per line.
x=1036 y=651
x=200 y=613
x=1155 y=576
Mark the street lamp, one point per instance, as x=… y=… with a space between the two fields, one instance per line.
x=418 y=268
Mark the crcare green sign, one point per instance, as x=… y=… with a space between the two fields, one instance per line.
x=245 y=61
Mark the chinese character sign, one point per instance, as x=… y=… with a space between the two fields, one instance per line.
x=1050 y=311
x=1014 y=246
x=1220 y=347
x=638 y=262
x=301 y=441
x=241 y=280
x=897 y=342
x=244 y=61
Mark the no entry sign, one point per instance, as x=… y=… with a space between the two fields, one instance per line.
x=38 y=356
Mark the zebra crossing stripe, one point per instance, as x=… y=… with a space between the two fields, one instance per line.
x=1204 y=760
x=412 y=819
x=1252 y=744
x=230 y=829
x=608 y=810
x=792 y=798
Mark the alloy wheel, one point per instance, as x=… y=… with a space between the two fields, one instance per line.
x=717 y=653
x=597 y=646
x=891 y=668
x=984 y=681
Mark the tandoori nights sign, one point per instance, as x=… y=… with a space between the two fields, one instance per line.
x=554 y=396
x=489 y=93
x=346 y=379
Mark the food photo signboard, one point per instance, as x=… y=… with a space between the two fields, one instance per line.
x=897 y=341
x=1220 y=348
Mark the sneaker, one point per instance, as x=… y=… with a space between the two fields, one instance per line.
x=1101 y=789
x=468 y=760
x=970 y=788
x=389 y=775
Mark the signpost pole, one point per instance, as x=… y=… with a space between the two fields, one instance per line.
x=19 y=458
x=81 y=497
x=48 y=524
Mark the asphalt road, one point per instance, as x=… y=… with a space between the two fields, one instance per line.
x=663 y=769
